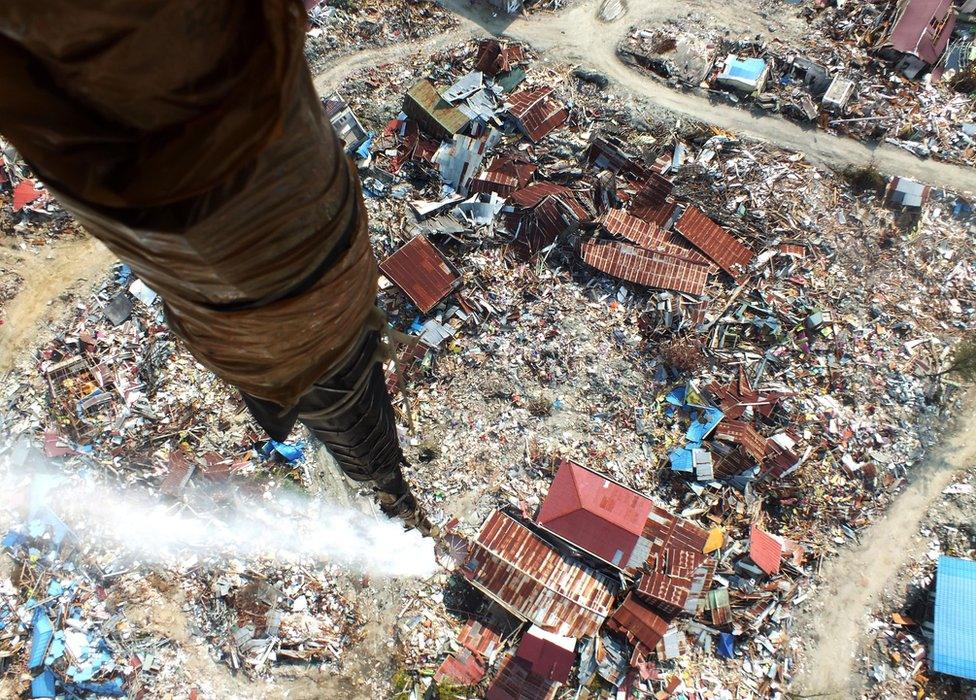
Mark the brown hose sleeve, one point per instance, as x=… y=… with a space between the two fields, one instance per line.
x=188 y=137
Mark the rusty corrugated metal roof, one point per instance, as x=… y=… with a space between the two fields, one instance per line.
x=714 y=241
x=528 y=576
x=638 y=623
x=742 y=433
x=462 y=667
x=649 y=236
x=650 y=268
x=479 y=638
x=669 y=593
x=420 y=270
x=537 y=112
x=516 y=681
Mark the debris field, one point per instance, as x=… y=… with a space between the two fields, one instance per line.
x=652 y=375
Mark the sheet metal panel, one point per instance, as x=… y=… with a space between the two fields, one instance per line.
x=537 y=112
x=638 y=623
x=649 y=268
x=742 y=433
x=714 y=241
x=515 y=566
x=766 y=550
x=515 y=681
x=420 y=270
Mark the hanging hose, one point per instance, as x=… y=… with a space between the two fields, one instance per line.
x=188 y=137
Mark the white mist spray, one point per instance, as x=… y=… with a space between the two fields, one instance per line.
x=274 y=525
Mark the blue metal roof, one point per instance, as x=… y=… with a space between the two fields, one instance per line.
x=748 y=68
x=955 y=618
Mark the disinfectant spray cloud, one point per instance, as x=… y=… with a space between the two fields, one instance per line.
x=216 y=525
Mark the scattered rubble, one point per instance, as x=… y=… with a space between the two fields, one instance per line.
x=732 y=349
x=845 y=75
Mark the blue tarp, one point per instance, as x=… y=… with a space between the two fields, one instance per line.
x=726 y=646
x=291 y=452
x=954 y=650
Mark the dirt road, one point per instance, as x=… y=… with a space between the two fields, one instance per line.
x=577 y=35
x=60 y=267
x=853 y=581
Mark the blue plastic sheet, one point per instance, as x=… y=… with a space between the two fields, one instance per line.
x=291 y=452
x=43 y=632
x=726 y=645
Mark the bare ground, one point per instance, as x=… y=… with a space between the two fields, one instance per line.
x=66 y=265
x=852 y=582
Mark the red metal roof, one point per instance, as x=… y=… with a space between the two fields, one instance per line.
x=714 y=241
x=652 y=202
x=605 y=152
x=530 y=196
x=479 y=638
x=462 y=667
x=534 y=581
x=421 y=272
x=545 y=656
x=638 y=623
x=649 y=236
x=923 y=28
x=594 y=513
x=515 y=681
x=25 y=192
x=494 y=181
x=536 y=111
x=650 y=268
x=742 y=433
x=766 y=550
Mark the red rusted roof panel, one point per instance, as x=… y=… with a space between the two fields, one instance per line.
x=649 y=268
x=537 y=112
x=25 y=192
x=462 y=667
x=516 y=567
x=420 y=270
x=742 y=433
x=714 y=241
x=766 y=550
x=515 y=681
x=638 y=623
x=479 y=638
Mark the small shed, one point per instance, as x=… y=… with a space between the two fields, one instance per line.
x=954 y=650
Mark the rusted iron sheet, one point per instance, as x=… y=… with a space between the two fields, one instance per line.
x=715 y=242
x=420 y=270
x=516 y=681
x=649 y=268
x=462 y=667
x=666 y=593
x=650 y=236
x=537 y=112
x=534 y=581
x=742 y=433
x=479 y=638
x=638 y=623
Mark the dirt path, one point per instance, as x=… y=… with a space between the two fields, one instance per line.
x=853 y=581
x=578 y=36
x=63 y=266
